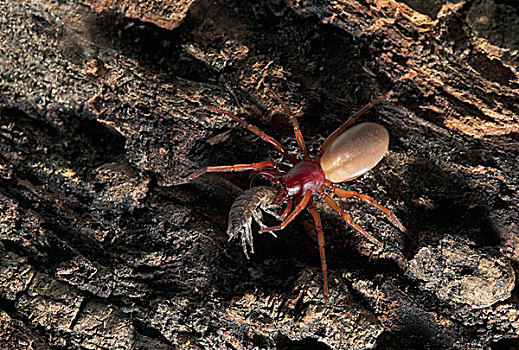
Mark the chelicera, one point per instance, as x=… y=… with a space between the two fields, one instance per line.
x=343 y=156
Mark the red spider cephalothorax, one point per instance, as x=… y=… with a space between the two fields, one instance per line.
x=344 y=155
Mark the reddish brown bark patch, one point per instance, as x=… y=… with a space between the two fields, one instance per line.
x=165 y=14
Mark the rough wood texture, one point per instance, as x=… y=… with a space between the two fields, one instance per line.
x=105 y=246
x=166 y=14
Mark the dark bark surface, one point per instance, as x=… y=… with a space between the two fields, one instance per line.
x=105 y=245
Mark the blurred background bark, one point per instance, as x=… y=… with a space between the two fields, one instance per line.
x=104 y=245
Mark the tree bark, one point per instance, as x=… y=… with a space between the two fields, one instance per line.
x=105 y=244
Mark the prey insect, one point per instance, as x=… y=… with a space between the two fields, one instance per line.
x=247 y=206
x=344 y=155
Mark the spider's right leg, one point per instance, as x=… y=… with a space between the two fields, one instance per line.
x=370 y=201
x=350 y=121
x=346 y=217
x=298 y=208
x=234 y=168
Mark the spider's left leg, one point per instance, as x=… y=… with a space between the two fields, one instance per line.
x=287 y=209
x=346 y=217
x=370 y=201
x=297 y=131
x=298 y=208
x=269 y=139
x=320 y=240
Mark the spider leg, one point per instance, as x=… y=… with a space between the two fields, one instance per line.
x=261 y=134
x=233 y=168
x=350 y=121
x=287 y=209
x=320 y=240
x=370 y=201
x=298 y=208
x=346 y=217
x=293 y=120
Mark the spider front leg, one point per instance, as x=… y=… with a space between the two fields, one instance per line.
x=287 y=209
x=370 y=201
x=320 y=241
x=298 y=208
x=346 y=217
x=234 y=168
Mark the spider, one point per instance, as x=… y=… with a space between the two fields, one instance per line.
x=344 y=155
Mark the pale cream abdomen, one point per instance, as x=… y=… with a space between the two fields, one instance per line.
x=354 y=152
